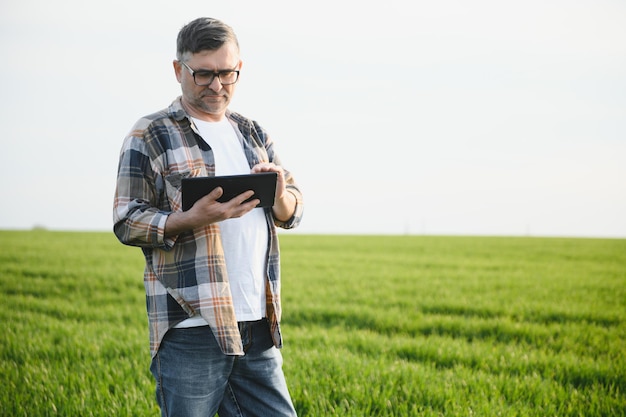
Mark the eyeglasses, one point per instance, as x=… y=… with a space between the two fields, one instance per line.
x=203 y=77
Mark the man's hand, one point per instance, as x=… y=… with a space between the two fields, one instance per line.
x=208 y=210
x=284 y=202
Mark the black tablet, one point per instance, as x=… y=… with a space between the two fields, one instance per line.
x=263 y=185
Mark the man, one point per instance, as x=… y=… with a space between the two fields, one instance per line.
x=212 y=273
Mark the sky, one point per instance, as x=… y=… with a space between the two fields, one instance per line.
x=399 y=117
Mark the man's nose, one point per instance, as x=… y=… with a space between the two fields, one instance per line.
x=215 y=85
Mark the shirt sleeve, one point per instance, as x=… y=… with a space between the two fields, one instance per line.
x=296 y=218
x=137 y=218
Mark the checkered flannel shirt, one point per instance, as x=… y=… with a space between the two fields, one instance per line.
x=186 y=275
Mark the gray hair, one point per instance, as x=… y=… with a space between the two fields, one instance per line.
x=203 y=34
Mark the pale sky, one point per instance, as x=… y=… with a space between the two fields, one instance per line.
x=423 y=117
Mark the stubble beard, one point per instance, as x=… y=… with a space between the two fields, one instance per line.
x=211 y=102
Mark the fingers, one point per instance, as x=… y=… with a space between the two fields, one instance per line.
x=209 y=206
x=215 y=194
x=271 y=167
x=242 y=197
x=267 y=167
x=244 y=208
x=238 y=206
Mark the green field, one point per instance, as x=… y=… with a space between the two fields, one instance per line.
x=373 y=326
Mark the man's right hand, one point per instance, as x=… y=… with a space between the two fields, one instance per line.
x=208 y=210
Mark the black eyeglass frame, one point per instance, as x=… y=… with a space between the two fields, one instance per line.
x=217 y=74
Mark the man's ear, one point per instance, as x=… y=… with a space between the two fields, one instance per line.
x=178 y=69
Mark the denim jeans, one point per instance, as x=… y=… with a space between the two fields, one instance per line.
x=195 y=379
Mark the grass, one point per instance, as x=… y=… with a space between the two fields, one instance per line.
x=373 y=325
x=74 y=331
x=456 y=326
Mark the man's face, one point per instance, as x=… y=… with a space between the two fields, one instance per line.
x=208 y=102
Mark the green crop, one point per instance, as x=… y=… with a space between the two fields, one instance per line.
x=373 y=326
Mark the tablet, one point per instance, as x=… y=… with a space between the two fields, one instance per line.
x=263 y=184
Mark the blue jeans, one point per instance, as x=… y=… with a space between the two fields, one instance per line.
x=195 y=379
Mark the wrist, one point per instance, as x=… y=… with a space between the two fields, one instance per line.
x=285 y=206
x=177 y=223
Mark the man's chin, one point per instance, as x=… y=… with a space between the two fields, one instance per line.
x=214 y=106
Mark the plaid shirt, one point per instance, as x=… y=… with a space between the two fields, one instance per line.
x=186 y=275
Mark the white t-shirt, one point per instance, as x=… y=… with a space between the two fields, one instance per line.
x=245 y=239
